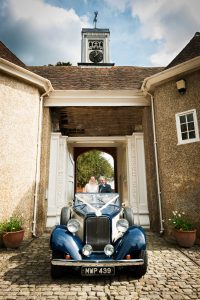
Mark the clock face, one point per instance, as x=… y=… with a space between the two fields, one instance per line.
x=96 y=56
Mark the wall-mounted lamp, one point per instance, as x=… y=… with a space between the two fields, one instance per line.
x=181 y=86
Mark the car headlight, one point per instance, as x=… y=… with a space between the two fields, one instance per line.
x=109 y=250
x=122 y=225
x=73 y=225
x=87 y=250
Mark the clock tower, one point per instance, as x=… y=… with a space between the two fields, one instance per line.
x=95 y=46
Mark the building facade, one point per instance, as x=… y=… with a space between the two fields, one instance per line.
x=141 y=116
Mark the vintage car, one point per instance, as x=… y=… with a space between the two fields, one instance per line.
x=97 y=236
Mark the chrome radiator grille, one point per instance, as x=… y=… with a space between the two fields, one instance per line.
x=97 y=232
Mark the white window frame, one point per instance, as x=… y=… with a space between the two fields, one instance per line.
x=178 y=127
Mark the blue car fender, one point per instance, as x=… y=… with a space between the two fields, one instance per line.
x=64 y=241
x=134 y=239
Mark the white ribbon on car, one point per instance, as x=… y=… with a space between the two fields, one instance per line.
x=97 y=211
x=84 y=201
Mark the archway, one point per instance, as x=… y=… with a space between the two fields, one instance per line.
x=111 y=151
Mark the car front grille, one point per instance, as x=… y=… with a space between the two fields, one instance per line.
x=97 y=232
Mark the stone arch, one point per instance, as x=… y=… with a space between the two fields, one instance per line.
x=109 y=150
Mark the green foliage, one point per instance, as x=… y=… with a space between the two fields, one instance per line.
x=92 y=163
x=12 y=224
x=61 y=63
x=179 y=222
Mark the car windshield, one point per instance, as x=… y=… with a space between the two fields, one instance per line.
x=98 y=203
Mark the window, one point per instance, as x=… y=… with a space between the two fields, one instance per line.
x=95 y=44
x=187 y=127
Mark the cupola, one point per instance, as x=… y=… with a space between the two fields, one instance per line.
x=95 y=46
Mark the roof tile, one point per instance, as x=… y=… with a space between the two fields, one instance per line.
x=191 y=50
x=77 y=78
x=5 y=53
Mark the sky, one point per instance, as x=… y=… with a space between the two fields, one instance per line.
x=142 y=32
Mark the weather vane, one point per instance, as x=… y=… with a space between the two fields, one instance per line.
x=95 y=18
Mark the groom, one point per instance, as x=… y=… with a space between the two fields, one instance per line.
x=103 y=186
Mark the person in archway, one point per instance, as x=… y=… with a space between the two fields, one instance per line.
x=104 y=187
x=91 y=186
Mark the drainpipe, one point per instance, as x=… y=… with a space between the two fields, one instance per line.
x=38 y=160
x=156 y=161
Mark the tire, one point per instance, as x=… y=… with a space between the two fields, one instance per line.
x=139 y=271
x=56 y=271
x=128 y=215
x=65 y=215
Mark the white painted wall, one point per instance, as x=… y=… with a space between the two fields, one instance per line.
x=57 y=190
x=137 y=189
x=69 y=174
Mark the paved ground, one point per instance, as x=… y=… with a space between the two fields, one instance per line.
x=173 y=273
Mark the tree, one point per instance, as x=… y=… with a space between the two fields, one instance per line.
x=61 y=63
x=92 y=163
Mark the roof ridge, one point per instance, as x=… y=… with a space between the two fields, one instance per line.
x=91 y=68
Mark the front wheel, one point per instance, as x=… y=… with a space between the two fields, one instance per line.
x=139 y=271
x=56 y=271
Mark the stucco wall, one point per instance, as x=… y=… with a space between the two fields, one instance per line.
x=19 y=108
x=179 y=165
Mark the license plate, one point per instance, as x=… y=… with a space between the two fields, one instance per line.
x=91 y=271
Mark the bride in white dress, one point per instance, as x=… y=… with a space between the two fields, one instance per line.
x=91 y=186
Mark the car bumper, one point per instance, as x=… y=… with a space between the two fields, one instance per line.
x=97 y=263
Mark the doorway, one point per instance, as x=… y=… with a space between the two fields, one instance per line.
x=96 y=169
x=129 y=175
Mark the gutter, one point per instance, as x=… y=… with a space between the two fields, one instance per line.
x=156 y=157
x=172 y=73
x=24 y=74
x=38 y=158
